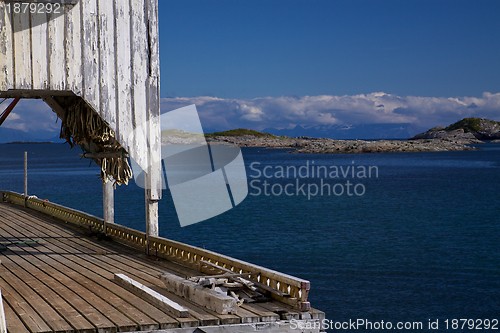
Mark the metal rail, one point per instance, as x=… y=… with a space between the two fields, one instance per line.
x=294 y=291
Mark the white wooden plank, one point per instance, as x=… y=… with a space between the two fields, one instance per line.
x=212 y=300
x=6 y=55
x=155 y=177
x=154 y=100
x=90 y=53
x=124 y=76
x=108 y=201
x=152 y=228
x=22 y=51
x=139 y=79
x=154 y=44
x=107 y=62
x=39 y=56
x=57 y=60
x=73 y=46
x=3 y=324
x=148 y=294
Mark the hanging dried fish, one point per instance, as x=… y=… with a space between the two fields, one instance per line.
x=85 y=128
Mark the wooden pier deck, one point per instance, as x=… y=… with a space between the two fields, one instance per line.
x=63 y=282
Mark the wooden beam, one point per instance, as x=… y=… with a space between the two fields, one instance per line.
x=34 y=93
x=210 y=299
x=61 y=113
x=108 y=203
x=157 y=299
x=222 y=276
x=151 y=211
x=105 y=154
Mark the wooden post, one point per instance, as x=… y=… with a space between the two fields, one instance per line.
x=151 y=218
x=108 y=204
x=153 y=175
x=3 y=324
x=25 y=178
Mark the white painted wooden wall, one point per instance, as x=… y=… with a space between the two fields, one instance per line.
x=105 y=51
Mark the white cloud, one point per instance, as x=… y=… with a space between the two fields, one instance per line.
x=289 y=111
x=378 y=107
x=31 y=116
x=13 y=116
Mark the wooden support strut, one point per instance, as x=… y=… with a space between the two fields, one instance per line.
x=7 y=111
x=106 y=154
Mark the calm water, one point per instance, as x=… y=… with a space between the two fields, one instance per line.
x=421 y=243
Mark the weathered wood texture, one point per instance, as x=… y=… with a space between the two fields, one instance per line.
x=108 y=202
x=210 y=299
x=104 y=51
x=183 y=254
x=65 y=283
x=151 y=296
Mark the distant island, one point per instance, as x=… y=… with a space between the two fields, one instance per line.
x=458 y=136
x=30 y=142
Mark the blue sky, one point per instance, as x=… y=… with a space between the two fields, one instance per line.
x=254 y=48
x=282 y=63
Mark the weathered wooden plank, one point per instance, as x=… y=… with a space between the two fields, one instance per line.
x=22 y=51
x=90 y=45
x=73 y=47
x=59 y=240
x=317 y=314
x=31 y=276
x=199 y=295
x=151 y=296
x=264 y=314
x=202 y=315
x=107 y=62
x=101 y=285
x=64 y=309
x=57 y=272
x=285 y=313
x=153 y=89
x=247 y=316
x=6 y=55
x=154 y=43
x=53 y=319
x=139 y=53
x=39 y=56
x=94 y=264
x=88 y=265
x=57 y=60
x=62 y=288
x=124 y=76
x=26 y=313
x=14 y=324
x=152 y=228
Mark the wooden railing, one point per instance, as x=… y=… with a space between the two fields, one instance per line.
x=290 y=289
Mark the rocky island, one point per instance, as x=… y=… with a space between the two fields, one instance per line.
x=459 y=136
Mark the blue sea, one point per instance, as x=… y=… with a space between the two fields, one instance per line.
x=419 y=240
